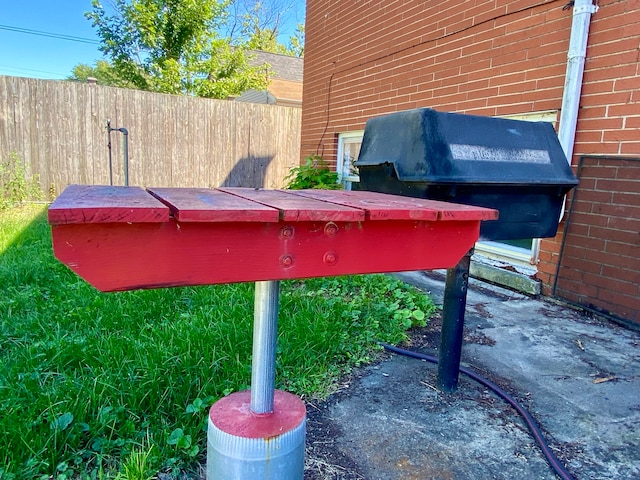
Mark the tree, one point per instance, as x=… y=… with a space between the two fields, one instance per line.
x=173 y=46
x=103 y=72
x=257 y=24
x=296 y=42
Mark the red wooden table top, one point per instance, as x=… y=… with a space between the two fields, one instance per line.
x=120 y=238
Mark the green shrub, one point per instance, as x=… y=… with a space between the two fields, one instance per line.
x=15 y=187
x=315 y=173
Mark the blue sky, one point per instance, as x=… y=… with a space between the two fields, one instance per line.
x=27 y=55
x=38 y=56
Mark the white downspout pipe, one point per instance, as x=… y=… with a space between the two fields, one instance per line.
x=582 y=11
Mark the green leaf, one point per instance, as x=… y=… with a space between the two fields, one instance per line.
x=184 y=442
x=175 y=436
x=197 y=406
x=315 y=173
x=193 y=451
x=179 y=439
x=62 y=422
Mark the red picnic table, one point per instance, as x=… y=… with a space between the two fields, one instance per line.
x=124 y=238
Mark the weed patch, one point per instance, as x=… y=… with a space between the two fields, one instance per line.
x=315 y=173
x=15 y=186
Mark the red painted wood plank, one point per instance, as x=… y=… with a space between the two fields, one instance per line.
x=105 y=204
x=379 y=206
x=207 y=205
x=295 y=208
x=382 y=206
x=457 y=211
x=146 y=255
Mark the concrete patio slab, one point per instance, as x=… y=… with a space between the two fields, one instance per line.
x=577 y=375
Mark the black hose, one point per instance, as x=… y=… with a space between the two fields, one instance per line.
x=531 y=423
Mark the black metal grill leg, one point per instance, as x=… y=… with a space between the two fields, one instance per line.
x=455 y=301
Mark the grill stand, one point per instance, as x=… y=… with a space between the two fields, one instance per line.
x=455 y=301
x=258 y=433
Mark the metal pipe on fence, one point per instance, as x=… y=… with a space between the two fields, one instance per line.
x=125 y=145
x=109 y=129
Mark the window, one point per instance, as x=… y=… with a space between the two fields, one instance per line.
x=348 y=151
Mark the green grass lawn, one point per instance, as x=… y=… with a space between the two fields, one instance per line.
x=118 y=385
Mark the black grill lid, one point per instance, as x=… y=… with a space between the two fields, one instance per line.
x=434 y=147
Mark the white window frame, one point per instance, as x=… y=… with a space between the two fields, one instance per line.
x=344 y=168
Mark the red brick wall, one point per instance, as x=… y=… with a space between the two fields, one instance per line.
x=497 y=57
x=366 y=58
x=600 y=260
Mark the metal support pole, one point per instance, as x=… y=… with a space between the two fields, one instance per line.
x=455 y=301
x=109 y=129
x=265 y=333
x=125 y=146
x=266 y=440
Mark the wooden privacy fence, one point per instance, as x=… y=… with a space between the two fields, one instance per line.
x=58 y=129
